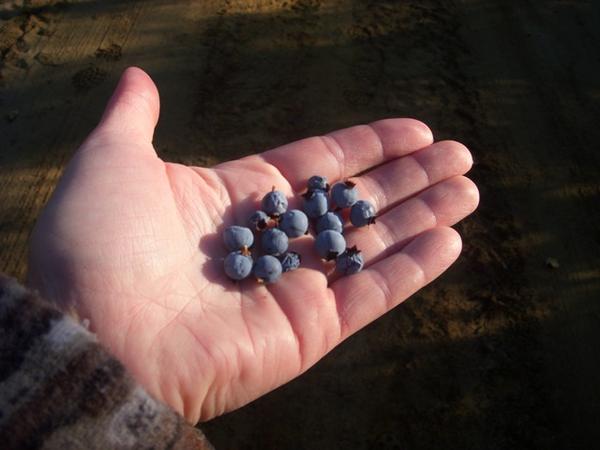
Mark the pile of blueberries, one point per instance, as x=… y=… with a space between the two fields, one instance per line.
x=276 y=225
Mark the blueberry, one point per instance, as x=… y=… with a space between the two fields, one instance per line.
x=259 y=221
x=344 y=195
x=290 y=261
x=330 y=244
x=274 y=242
x=294 y=223
x=349 y=262
x=316 y=203
x=330 y=221
x=267 y=268
x=236 y=238
x=274 y=203
x=238 y=265
x=362 y=213
x=317 y=182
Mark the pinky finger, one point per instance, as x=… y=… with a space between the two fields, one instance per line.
x=367 y=295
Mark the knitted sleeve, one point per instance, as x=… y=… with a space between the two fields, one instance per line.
x=59 y=389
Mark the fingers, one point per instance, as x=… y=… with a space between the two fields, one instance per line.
x=444 y=204
x=363 y=297
x=347 y=152
x=132 y=112
x=401 y=178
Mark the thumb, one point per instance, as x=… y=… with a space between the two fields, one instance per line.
x=132 y=111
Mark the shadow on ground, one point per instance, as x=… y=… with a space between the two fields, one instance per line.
x=498 y=353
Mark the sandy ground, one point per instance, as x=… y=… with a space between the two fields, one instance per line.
x=502 y=352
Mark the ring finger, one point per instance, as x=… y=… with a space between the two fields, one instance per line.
x=444 y=204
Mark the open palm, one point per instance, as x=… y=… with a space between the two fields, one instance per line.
x=133 y=244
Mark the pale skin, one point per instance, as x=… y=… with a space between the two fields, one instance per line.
x=132 y=244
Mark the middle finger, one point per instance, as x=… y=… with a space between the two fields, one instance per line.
x=401 y=178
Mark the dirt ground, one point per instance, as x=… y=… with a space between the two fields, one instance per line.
x=503 y=352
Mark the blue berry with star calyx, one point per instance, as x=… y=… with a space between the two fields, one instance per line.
x=330 y=221
x=362 y=214
x=330 y=244
x=267 y=269
x=344 y=195
x=294 y=223
x=238 y=265
x=316 y=203
x=237 y=238
x=274 y=242
x=259 y=221
x=349 y=262
x=317 y=182
x=274 y=203
x=290 y=261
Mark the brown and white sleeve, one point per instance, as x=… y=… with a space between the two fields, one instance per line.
x=60 y=389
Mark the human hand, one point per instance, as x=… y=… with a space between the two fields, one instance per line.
x=133 y=244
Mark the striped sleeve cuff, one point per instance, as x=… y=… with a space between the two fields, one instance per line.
x=60 y=389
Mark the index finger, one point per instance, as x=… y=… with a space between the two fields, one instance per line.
x=349 y=151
